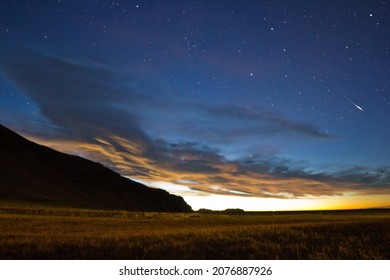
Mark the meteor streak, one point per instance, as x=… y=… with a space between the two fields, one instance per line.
x=354 y=104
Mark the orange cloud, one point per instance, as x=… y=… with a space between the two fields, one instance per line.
x=209 y=173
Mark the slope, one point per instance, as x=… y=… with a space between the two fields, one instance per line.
x=32 y=173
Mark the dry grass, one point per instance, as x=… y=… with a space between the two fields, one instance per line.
x=54 y=233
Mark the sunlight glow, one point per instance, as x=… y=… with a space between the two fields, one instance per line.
x=221 y=202
x=198 y=200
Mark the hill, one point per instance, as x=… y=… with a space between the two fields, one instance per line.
x=32 y=173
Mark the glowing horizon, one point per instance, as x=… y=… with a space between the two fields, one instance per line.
x=222 y=202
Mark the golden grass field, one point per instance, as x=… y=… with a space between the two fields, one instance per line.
x=58 y=233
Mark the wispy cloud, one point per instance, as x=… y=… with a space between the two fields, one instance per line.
x=113 y=117
x=261 y=122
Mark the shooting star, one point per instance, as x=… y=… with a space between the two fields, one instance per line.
x=354 y=104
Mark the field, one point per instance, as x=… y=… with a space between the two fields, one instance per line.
x=57 y=233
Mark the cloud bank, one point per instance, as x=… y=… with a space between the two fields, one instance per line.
x=114 y=117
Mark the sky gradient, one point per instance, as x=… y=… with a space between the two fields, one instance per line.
x=260 y=105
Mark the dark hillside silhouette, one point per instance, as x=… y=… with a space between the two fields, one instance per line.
x=32 y=173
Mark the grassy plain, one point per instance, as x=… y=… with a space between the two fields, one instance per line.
x=58 y=233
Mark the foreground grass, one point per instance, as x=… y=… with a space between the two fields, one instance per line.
x=53 y=233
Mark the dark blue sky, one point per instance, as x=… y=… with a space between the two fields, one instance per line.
x=259 y=99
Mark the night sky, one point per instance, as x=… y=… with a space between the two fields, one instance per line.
x=260 y=105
